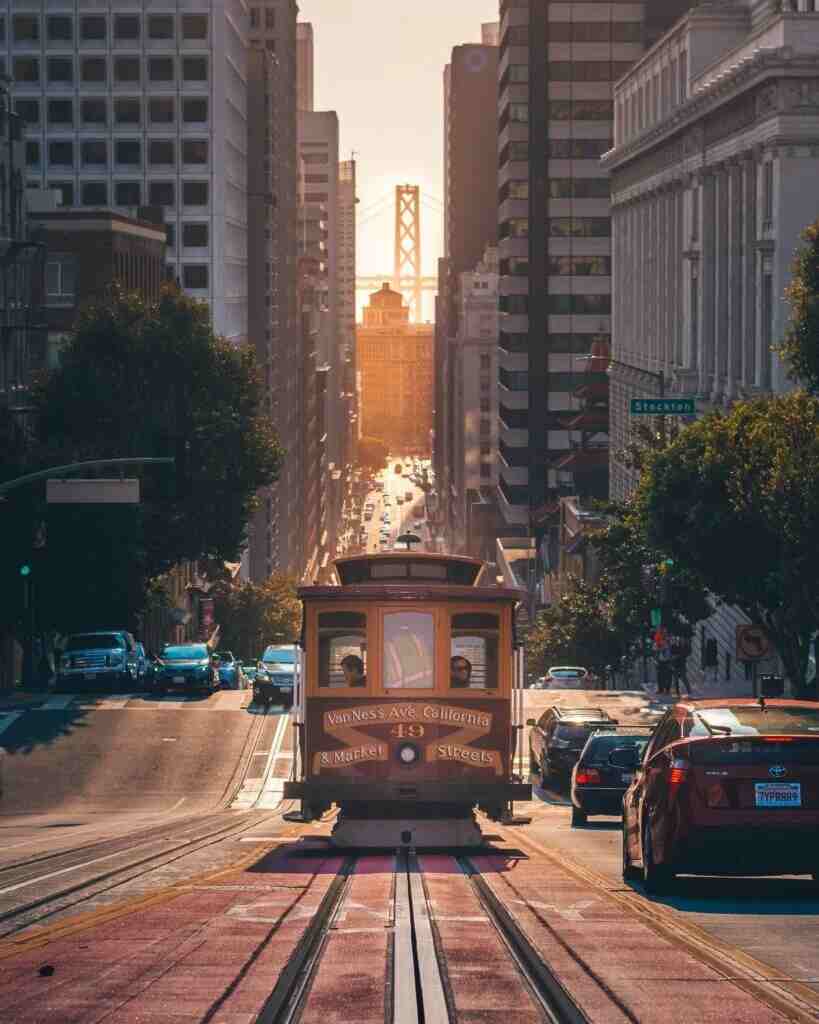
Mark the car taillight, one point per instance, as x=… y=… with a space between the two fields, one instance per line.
x=587 y=777
x=678 y=773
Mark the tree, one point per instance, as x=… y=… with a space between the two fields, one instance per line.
x=574 y=630
x=800 y=348
x=372 y=453
x=251 y=615
x=735 y=500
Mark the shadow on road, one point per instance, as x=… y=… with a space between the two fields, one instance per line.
x=748 y=895
x=36 y=728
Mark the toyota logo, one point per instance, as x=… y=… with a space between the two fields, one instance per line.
x=777 y=770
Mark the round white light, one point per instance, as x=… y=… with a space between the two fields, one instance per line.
x=408 y=754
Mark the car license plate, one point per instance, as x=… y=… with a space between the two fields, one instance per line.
x=179 y=679
x=778 y=794
x=627 y=777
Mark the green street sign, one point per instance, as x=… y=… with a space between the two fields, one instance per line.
x=663 y=407
x=656 y=617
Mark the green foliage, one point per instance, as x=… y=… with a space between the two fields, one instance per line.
x=735 y=500
x=574 y=630
x=372 y=453
x=252 y=616
x=800 y=348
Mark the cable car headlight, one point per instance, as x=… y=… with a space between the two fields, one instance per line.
x=408 y=754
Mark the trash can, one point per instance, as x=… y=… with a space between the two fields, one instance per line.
x=771 y=686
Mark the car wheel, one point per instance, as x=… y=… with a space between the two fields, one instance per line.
x=579 y=818
x=630 y=872
x=657 y=878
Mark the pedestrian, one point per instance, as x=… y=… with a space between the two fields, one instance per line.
x=664 y=670
x=680 y=663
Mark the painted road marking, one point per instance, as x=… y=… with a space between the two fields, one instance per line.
x=115 y=703
x=260 y=792
x=9 y=718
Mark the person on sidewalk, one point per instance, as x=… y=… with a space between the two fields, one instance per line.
x=679 y=664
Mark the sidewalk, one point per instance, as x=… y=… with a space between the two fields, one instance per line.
x=21 y=700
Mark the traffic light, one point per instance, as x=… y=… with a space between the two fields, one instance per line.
x=25 y=570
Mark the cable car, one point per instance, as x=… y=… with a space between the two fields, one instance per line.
x=411 y=701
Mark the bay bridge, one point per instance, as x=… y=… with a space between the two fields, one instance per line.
x=406 y=276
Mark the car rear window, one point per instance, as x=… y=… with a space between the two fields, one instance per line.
x=567 y=673
x=749 y=720
x=573 y=732
x=602 y=746
x=759 y=751
x=189 y=652
x=280 y=655
x=94 y=642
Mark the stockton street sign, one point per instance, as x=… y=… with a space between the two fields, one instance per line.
x=675 y=406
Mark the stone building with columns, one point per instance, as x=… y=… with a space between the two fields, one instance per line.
x=714 y=174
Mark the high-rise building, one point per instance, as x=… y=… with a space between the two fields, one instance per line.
x=346 y=300
x=304 y=63
x=395 y=361
x=470 y=220
x=276 y=537
x=127 y=108
x=558 y=63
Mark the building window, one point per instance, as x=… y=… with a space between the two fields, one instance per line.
x=194 y=151
x=26 y=28
x=194 y=26
x=129 y=152
x=580 y=305
x=60 y=29
x=170 y=236
x=162 y=152
x=519 y=112
x=94 y=71
x=161 y=193
x=127 y=69
x=162 y=110
x=486 y=470
x=93 y=29
x=515 y=227
x=94 y=193
x=580 y=227
x=579 y=188
x=581 y=110
x=269 y=19
x=66 y=190
x=61 y=280
x=94 y=112
x=486 y=405
x=254 y=17
x=194 y=236
x=128 y=193
x=33 y=154
x=94 y=152
x=195 y=275
x=195 y=111
x=486 y=362
x=195 y=69
x=27 y=70
x=61 y=153
x=160 y=26
x=126 y=27
x=194 y=193
x=161 y=69
x=60 y=70
x=29 y=110
x=128 y=111
x=579 y=266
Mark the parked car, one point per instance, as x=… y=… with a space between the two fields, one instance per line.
x=102 y=659
x=186 y=667
x=597 y=784
x=568 y=677
x=276 y=675
x=726 y=787
x=230 y=671
x=558 y=736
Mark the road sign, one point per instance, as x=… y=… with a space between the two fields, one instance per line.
x=92 y=492
x=753 y=643
x=675 y=406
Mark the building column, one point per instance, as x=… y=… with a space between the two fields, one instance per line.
x=707 y=289
x=734 y=280
x=677 y=276
x=721 y=283
x=748 y=241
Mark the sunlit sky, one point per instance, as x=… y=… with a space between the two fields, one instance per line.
x=382 y=70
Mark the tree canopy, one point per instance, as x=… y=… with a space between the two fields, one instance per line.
x=735 y=499
x=251 y=616
x=800 y=347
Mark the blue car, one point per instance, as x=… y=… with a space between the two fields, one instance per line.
x=230 y=671
x=186 y=667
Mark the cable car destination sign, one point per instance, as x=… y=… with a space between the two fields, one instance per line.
x=675 y=406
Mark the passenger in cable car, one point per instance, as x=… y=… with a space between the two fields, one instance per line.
x=353 y=668
x=460 y=670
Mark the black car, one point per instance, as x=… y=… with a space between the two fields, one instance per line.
x=186 y=667
x=276 y=675
x=559 y=735
x=597 y=784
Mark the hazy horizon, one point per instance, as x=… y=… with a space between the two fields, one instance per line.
x=391 y=116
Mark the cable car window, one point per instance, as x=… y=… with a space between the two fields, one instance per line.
x=389 y=570
x=342 y=638
x=473 y=662
x=429 y=570
x=409 y=650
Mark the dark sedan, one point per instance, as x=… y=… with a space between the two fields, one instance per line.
x=597 y=784
x=187 y=667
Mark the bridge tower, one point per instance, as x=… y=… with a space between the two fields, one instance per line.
x=406 y=276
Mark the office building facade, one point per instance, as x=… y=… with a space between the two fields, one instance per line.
x=304 y=63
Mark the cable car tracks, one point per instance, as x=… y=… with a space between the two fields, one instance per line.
x=427 y=975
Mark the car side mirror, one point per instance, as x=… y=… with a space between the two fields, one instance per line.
x=625 y=757
x=531 y=721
